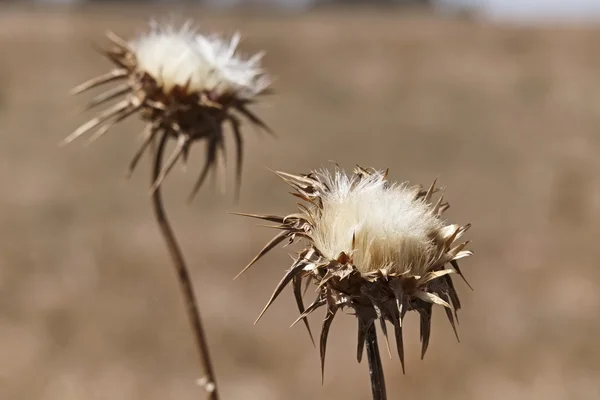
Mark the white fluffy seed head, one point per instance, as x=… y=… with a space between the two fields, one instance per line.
x=392 y=230
x=174 y=57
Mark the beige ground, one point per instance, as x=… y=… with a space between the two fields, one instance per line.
x=508 y=117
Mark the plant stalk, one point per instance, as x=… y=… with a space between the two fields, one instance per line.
x=183 y=275
x=375 y=367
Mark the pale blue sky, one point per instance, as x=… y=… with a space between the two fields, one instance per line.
x=535 y=9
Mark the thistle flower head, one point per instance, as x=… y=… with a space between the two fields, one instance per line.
x=180 y=57
x=185 y=85
x=379 y=227
x=378 y=248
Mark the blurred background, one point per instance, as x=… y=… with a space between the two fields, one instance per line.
x=500 y=99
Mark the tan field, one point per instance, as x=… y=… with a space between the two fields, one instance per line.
x=508 y=117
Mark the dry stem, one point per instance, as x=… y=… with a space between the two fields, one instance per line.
x=375 y=367
x=183 y=276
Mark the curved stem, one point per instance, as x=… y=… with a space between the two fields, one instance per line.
x=183 y=276
x=375 y=367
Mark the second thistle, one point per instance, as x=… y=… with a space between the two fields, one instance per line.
x=377 y=248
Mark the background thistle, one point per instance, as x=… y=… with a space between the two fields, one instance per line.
x=186 y=86
x=376 y=248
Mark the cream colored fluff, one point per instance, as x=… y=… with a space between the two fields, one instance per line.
x=175 y=56
x=392 y=230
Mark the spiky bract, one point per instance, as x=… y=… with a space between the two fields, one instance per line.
x=407 y=253
x=184 y=85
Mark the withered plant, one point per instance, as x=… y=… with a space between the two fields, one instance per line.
x=374 y=248
x=186 y=87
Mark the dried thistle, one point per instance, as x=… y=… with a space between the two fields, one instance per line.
x=186 y=86
x=376 y=248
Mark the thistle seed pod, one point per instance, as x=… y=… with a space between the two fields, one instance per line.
x=184 y=85
x=376 y=248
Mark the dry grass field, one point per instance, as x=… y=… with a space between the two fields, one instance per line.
x=508 y=117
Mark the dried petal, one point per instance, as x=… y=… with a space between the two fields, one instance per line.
x=324 y=333
x=297 y=285
x=286 y=279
